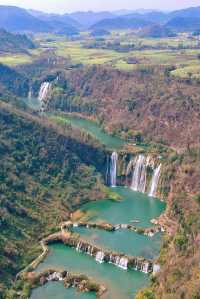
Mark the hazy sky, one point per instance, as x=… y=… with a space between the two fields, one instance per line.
x=96 y=5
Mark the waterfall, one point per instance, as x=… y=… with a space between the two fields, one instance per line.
x=136 y=265
x=44 y=93
x=113 y=169
x=155 y=181
x=145 y=267
x=100 y=257
x=121 y=262
x=90 y=250
x=44 y=90
x=139 y=175
x=78 y=247
x=130 y=167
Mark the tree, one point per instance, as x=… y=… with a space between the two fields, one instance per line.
x=145 y=294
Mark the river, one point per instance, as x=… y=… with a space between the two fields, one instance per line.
x=134 y=208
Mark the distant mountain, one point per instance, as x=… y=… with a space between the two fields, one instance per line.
x=59 y=27
x=123 y=12
x=65 y=18
x=100 y=33
x=88 y=19
x=155 y=17
x=121 y=23
x=181 y=20
x=191 y=12
x=17 y=19
x=157 y=31
x=63 y=29
x=14 y=43
x=184 y=24
x=185 y=19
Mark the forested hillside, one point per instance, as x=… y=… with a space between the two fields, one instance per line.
x=140 y=87
x=14 y=43
x=12 y=84
x=44 y=174
x=163 y=109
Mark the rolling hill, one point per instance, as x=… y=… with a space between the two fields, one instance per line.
x=17 y=20
x=157 y=31
x=59 y=23
x=191 y=12
x=181 y=24
x=181 y=20
x=20 y=20
x=14 y=43
x=88 y=19
x=43 y=171
x=121 y=23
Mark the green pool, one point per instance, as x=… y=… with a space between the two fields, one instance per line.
x=94 y=129
x=121 y=284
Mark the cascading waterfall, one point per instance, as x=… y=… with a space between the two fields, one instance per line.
x=78 y=247
x=130 y=167
x=90 y=250
x=122 y=263
x=139 y=175
x=145 y=267
x=100 y=257
x=155 y=181
x=113 y=169
x=44 y=92
x=108 y=170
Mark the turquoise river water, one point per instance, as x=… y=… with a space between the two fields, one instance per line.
x=121 y=284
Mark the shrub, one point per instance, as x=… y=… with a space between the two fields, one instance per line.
x=180 y=241
x=197 y=198
x=145 y=294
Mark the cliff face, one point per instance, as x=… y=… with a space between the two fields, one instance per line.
x=180 y=255
x=163 y=109
x=44 y=174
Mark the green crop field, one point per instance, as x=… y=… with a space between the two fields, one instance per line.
x=175 y=51
x=13 y=60
x=181 y=52
x=16 y=59
x=192 y=71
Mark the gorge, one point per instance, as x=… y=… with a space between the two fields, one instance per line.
x=103 y=245
x=99 y=170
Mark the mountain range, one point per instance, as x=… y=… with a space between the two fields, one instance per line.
x=17 y=19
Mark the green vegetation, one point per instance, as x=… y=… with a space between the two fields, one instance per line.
x=197 y=198
x=42 y=172
x=175 y=51
x=13 y=60
x=14 y=43
x=145 y=294
x=49 y=168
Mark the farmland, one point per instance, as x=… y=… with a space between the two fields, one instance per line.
x=180 y=52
